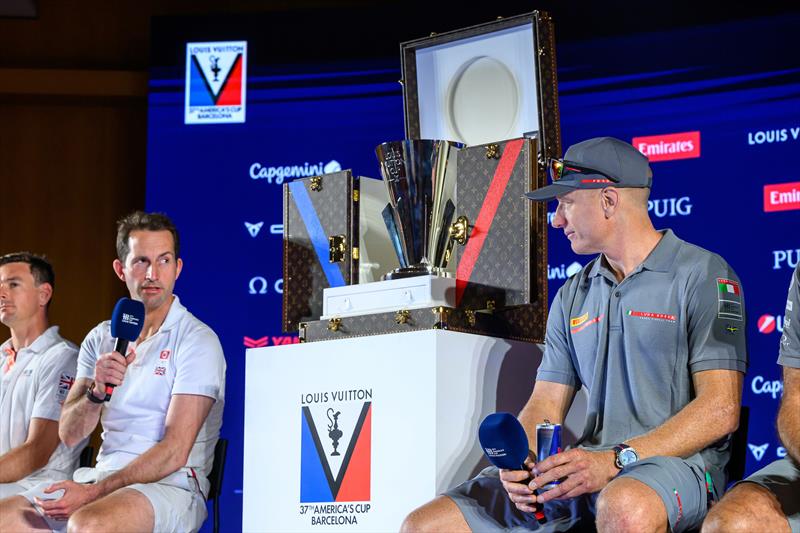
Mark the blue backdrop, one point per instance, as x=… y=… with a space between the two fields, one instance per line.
x=735 y=93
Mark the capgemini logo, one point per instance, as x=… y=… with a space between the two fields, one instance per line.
x=563 y=271
x=279 y=174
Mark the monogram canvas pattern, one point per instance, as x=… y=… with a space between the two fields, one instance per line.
x=303 y=277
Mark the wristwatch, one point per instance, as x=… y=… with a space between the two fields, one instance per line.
x=91 y=396
x=625 y=455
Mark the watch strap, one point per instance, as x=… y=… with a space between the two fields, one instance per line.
x=90 y=395
x=617 y=450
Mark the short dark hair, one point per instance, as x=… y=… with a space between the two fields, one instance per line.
x=141 y=221
x=41 y=269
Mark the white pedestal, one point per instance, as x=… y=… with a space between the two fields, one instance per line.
x=428 y=393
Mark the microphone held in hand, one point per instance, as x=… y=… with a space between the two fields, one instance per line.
x=505 y=444
x=504 y=441
x=127 y=322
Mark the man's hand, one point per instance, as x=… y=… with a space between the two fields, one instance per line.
x=582 y=472
x=75 y=496
x=515 y=483
x=110 y=369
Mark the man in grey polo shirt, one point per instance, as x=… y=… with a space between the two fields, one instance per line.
x=769 y=500
x=653 y=327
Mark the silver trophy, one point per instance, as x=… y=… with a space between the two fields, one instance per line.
x=420 y=176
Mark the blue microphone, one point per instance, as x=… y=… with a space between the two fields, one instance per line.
x=504 y=441
x=127 y=322
x=505 y=444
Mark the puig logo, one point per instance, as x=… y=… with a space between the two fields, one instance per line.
x=670 y=207
x=785 y=258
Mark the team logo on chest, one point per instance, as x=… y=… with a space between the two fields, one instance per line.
x=664 y=317
x=579 y=323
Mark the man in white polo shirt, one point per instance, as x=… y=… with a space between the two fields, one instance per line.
x=162 y=421
x=37 y=368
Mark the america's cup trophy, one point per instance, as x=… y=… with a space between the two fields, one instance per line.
x=420 y=176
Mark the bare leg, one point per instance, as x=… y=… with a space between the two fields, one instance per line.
x=122 y=510
x=439 y=514
x=748 y=507
x=629 y=505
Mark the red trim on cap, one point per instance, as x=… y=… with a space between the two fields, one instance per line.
x=491 y=202
x=597 y=181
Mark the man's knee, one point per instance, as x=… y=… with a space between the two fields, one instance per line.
x=748 y=507
x=630 y=505
x=440 y=514
x=85 y=521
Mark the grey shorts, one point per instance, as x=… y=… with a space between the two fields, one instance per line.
x=680 y=485
x=178 y=505
x=782 y=478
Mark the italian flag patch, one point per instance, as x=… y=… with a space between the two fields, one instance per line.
x=727 y=286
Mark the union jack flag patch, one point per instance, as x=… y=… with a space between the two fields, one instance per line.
x=64 y=384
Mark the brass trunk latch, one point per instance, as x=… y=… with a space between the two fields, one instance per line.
x=334 y=324
x=403 y=316
x=493 y=151
x=441 y=314
x=316 y=183
x=458 y=230
x=337 y=248
x=470 y=317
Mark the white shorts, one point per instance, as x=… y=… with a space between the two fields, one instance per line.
x=10 y=489
x=178 y=505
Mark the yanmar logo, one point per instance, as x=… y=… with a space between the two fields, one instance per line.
x=670 y=146
x=782 y=197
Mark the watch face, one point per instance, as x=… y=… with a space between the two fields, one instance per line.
x=627 y=456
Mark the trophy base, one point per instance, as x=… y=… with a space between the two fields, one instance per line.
x=419 y=270
x=413 y=292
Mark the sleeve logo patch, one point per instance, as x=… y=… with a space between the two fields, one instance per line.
x=652 y=316
x=729 y=299
x=727 y=286
x=577 y=321
x=64 y=384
